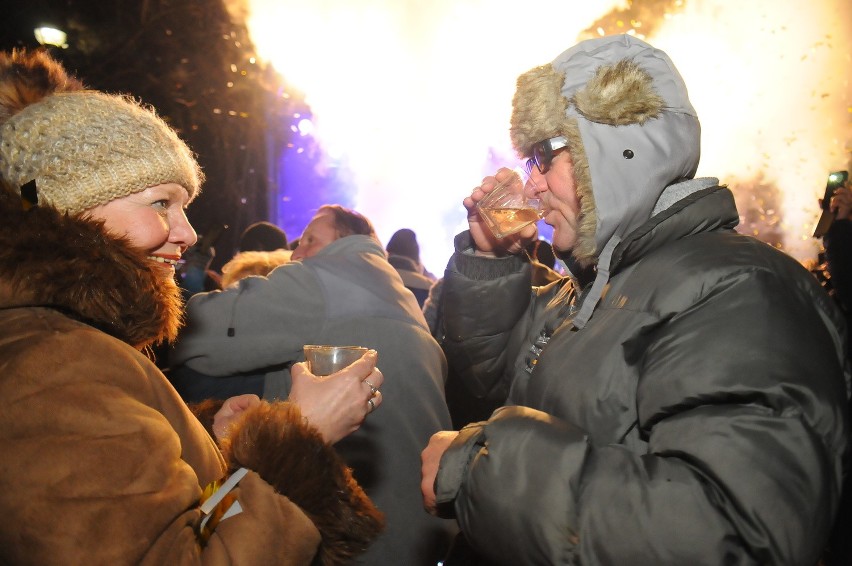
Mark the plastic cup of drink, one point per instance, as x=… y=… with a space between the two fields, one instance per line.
x=508 y=209
x=324 y=359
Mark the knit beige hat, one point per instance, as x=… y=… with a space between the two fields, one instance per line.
x=84 y=148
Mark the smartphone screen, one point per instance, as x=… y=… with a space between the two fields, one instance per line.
x=836 y=179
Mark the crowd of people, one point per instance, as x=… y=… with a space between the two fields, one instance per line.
x=649 y=387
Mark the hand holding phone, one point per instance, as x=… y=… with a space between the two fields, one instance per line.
x=841 y=203
x=836 y=180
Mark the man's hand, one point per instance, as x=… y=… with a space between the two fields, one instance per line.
x=486 y=243
x=430 y=462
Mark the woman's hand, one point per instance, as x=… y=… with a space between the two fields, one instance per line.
x=337 y=404
x=230 y=412
x=487 y=244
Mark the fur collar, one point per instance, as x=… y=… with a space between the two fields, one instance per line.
x=54 y=260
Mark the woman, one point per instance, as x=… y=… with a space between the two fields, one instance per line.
x=102 y=461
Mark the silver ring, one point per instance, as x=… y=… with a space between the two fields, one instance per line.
x=373 y=388
x=371 y=404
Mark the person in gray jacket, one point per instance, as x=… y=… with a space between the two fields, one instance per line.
x=339 y=289
x=681 y=398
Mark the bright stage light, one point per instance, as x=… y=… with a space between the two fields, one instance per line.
x=305 y=126
x=407 y=101
x=50 y=36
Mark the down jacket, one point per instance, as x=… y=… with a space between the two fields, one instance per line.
x=102 y=462
x=699 y=417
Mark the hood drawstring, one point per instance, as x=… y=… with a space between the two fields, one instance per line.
x=601 y=279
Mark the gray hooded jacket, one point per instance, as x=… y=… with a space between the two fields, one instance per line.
x=347 y=294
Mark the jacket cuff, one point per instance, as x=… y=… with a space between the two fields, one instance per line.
x=454 y=465
x=483 y=268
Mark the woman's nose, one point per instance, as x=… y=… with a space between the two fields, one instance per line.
x=181 y=231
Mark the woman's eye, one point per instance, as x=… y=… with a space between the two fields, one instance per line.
x=162 y=204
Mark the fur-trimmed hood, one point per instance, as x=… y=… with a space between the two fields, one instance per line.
x=61 y=261
x=630 y=127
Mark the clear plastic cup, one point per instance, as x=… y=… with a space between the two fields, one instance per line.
x=507 y=209
x=325 y=359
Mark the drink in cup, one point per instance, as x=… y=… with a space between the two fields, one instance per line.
x=507 y=208
x=326 y=359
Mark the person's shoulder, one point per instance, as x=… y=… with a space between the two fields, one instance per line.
x=50 y=324
x=402 y=262
x=414 y=280
x=47 y=338
x=703 y=261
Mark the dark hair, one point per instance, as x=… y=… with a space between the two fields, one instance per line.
x=263 y=237
x=349 y=222
x=404 y=243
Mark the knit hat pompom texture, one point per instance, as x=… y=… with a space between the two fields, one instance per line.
x=83 y=148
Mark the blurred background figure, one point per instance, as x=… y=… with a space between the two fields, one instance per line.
x=262 y=237
x=404 y=255
x=338 y=288
x=194 y=272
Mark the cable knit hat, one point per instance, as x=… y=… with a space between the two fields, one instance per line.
x=82 y=148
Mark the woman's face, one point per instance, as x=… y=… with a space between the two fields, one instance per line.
x=319 y=233
x=152 y=220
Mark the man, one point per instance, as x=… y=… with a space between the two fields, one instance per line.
x=681 y=398
x=338 y=289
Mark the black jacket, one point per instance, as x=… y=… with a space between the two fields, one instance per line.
x=699 y=417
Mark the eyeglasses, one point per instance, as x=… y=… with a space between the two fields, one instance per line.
x=543 y=152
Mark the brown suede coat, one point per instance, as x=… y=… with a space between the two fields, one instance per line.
x=100 y=460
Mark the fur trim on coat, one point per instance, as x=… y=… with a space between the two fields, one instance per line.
x=538 y=99
x=273 y=440
x=25 y=80
x=65 y=262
